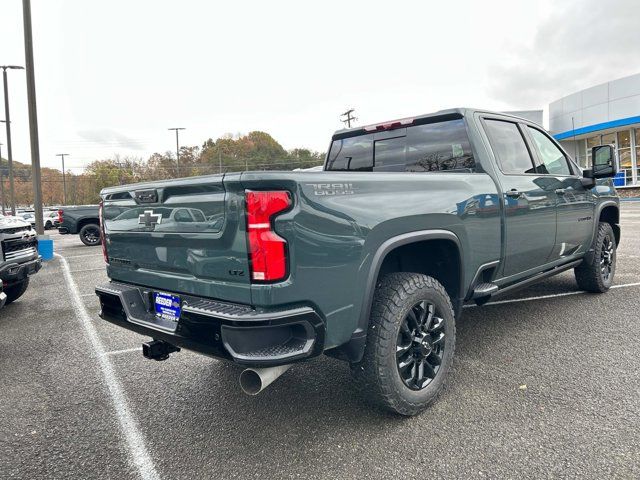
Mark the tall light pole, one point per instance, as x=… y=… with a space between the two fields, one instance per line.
x=64 y=178
x=177 y=129
x=33 y=115
x=1 y=181
x=7 y=120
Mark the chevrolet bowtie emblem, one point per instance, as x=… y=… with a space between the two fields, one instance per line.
x=149 y=219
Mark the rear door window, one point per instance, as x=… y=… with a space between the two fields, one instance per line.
x=509 y=147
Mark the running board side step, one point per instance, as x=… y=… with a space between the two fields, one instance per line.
x=485 y=291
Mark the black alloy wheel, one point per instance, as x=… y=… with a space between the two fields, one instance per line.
x=607 y=256
x=595 y=273
x=420 y=345
x=90 y=234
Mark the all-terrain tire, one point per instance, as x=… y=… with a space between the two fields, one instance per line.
x=378 y=374
x=90 y=234
x=16 y=290
x=597 y=275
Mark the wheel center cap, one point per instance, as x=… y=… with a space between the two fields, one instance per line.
x=422 y=347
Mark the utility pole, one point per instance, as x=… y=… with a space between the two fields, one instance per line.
x=33 y=115
x=64 y=178
x=177 y=129
x=1 y=181
x=348 y=117
x=7 y=121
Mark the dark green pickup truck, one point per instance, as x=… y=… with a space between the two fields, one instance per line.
x=369 y=260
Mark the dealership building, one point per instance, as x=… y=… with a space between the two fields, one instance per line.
x=605 y=114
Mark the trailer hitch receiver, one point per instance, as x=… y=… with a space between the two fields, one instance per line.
x=158 y=350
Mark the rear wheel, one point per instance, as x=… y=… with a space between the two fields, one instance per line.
x=16 y=290
x=90 y=234
x=410 y=343
x=597 y=276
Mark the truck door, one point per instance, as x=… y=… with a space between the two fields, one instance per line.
x=576 y=204
x=530 y=207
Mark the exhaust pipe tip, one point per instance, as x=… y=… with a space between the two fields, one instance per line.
x=254 y=380
x=250 y=382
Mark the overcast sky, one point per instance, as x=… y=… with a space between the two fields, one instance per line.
x=112 y=76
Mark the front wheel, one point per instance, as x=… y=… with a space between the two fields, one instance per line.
x=90 y=234
x=410 y=343
x=597 y=275
x=16 y=290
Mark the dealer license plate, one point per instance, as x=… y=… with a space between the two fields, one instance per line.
x=167 y=306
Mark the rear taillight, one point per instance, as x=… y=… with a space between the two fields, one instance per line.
x=60 y=216
x=267 y=250
x=103 y=239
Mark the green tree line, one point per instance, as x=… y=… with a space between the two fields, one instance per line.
x=230 y=153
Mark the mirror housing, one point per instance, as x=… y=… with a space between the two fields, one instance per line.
x=603 y=163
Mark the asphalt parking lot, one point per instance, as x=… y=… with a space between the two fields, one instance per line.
x=546 y=383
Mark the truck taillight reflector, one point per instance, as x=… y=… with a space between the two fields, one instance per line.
x=267 y=250
x=60 y=216
x=103 y=240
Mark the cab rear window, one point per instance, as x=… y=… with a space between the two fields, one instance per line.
x=431 y=147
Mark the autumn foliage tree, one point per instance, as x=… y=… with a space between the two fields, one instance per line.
x=229 y=153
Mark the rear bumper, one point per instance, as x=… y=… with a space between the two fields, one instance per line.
x=63 y=230
x=16 y=272
x=218 y=329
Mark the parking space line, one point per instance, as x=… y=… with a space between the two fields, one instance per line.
x=87 y=270
x=85 y=255
x=542 y=297
x=135 y=441
x=126 y=350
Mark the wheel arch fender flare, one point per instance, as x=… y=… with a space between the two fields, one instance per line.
x=354 y=349
x=596 y=222
x=86 y=220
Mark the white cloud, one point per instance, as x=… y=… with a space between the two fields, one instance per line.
x=113 y=76
x=580 y=44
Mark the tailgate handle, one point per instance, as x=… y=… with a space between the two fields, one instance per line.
x=146 y=196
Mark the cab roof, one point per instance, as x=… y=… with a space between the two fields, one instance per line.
x=439 y=116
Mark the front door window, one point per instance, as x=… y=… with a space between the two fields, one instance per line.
x=552 y=160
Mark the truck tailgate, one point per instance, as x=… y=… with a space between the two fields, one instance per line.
x=187 y=236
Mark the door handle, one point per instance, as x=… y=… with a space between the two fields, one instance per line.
x=513 y=193
x=560 y=191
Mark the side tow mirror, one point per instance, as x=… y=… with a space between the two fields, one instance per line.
x=604 y=163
